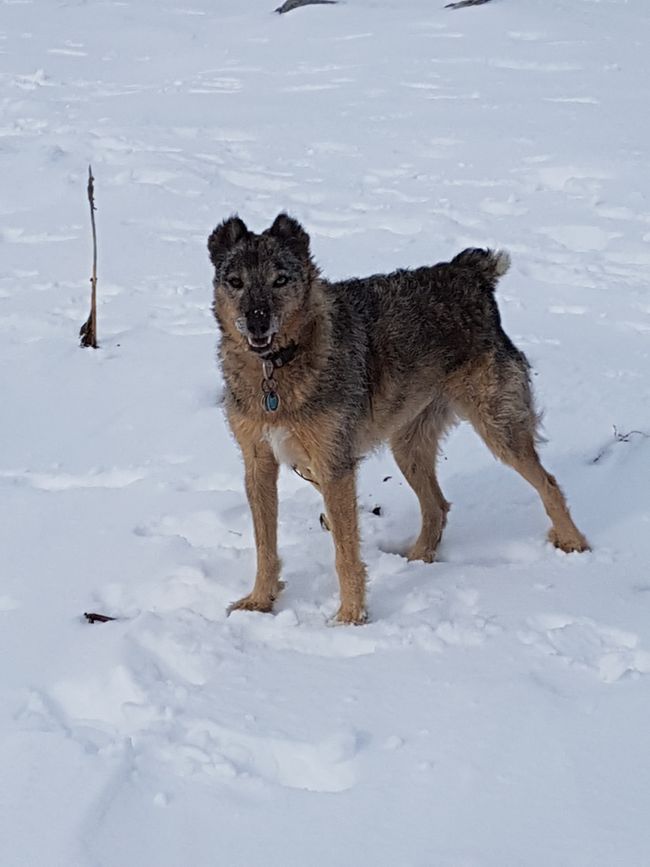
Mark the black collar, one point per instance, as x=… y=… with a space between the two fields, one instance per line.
x=281 y=356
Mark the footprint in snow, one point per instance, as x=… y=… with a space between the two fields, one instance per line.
x=323 y=766
x=609 y=652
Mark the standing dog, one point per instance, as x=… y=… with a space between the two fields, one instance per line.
x=320 y=373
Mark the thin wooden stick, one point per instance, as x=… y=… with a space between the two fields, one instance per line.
x=288 y=5
x=93 y=617
x=462 y=3
x=88 y=331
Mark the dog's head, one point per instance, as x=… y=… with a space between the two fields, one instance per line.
x=261 y=281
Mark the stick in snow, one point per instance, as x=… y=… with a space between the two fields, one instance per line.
x=619 y=438
x=88 y=331
x=462 y=3
x=92 y=617
x=288 y=5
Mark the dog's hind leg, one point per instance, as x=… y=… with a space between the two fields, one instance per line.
x=495 y=396
x=415 y=448
x=262 y=490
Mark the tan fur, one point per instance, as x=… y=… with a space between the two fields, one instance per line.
x=391 y=358
x=414 y=435
x=261 y=478
x=413 y=448
x=311 y=444
x=508 y=426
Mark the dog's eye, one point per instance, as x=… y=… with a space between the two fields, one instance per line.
x=235 y=282
x=282 y=280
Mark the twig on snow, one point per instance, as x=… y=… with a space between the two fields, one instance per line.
x=88 y=331
x=93 y=617
x=462 y=3
x=619 y=438
x=288 y=5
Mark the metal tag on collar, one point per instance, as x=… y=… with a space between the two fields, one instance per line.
x=271 y=401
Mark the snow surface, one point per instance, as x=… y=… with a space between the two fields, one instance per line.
x=495 y=712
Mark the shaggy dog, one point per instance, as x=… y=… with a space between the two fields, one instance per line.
x=319 y=373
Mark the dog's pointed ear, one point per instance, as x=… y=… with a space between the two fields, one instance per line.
x=224 y=238
x=289 y=232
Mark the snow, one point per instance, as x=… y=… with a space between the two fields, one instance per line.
x=495 y=710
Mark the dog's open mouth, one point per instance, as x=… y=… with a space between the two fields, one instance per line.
x=260 y=344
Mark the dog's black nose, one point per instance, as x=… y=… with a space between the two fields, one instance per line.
x=258 y=321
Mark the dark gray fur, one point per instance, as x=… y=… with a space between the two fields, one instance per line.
x=391 y=358
x=410 y=328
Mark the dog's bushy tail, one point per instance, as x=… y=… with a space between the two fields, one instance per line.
x=491 y=264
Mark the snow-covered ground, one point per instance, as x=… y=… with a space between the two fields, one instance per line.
x=495 y=712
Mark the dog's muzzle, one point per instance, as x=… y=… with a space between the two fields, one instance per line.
x=259 y=328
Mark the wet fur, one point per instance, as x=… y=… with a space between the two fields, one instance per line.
x=394 y=358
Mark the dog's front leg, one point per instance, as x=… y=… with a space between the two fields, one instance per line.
x=340 y=497
x=262 y=492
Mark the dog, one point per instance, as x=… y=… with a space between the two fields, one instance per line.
x=318 y=374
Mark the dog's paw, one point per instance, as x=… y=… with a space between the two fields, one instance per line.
x=418 y=552
x=254 y=602
x=354 y=615
x=569 y=543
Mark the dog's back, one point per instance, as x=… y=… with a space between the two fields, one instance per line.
x=417 y=327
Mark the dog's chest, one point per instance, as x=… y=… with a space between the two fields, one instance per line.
x=282 y=443
x=287 y=448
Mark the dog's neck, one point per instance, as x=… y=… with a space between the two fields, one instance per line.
x=282 y=356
